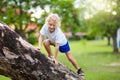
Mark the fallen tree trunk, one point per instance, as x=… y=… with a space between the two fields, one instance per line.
x=19 y=60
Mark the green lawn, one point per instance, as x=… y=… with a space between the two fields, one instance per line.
x=96 y=59
x=4 y=78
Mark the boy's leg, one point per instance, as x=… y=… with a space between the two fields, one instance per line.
x=72 y=60
x=47 y=47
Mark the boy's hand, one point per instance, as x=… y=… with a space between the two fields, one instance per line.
x=55 y=61
x=38 y=48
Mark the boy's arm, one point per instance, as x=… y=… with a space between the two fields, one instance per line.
x=40 y=40
x=56 y=50
x=55 y=53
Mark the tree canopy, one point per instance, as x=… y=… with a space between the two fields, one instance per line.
x=106 y=22
x=97 y=18
x=18 y=12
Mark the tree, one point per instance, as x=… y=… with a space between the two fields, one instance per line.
x=106 y=23
x=67 y=12
x=17 y=12
x=19 y=60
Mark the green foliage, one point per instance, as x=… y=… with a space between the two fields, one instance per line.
x=69 y=14
x=33 y=38
x=17 y=12
x=105 y=23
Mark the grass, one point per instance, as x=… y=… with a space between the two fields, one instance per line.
x=95 y=57
x=4 y=78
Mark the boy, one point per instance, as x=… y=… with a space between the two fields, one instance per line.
x=51 y=29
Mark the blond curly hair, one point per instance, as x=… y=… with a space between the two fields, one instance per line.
x=54 y=18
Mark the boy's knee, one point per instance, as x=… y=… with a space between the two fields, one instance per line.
x=46 y=42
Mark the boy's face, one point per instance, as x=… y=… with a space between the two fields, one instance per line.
x=51 y=26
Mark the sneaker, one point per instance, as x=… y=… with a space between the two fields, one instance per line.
x=80 y=72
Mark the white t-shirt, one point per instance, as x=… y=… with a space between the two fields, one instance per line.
x=55 y=37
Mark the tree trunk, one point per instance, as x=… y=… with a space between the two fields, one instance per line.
x=19 y=60
x=108 y=38
x=115 y=48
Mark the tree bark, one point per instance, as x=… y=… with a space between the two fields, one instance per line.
x=19 y=60
x=115 y=48
x=108 y=38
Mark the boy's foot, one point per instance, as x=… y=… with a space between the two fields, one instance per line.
x=80 y=72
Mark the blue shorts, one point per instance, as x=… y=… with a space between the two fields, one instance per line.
x=65 y=48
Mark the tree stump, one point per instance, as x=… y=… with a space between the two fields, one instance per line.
x=19 y=60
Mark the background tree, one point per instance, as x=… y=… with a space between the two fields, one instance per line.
x=20 y=13
x=16 y=12
x=106 y=23
x=69 y=15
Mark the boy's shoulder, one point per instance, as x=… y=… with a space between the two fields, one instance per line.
x=45 y=26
